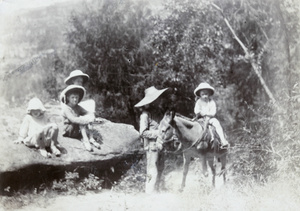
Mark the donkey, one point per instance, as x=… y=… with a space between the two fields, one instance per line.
x=190 y=135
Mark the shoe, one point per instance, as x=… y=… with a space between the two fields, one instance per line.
x=44 y=153
x=225 y=146
x=55 y=151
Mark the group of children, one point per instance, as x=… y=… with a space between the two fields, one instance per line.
x=78 y=116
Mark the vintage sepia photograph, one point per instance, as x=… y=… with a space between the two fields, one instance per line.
x=165 y=105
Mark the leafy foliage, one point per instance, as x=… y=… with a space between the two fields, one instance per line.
x=71 y=184
x=133 y=181
x=107 y=43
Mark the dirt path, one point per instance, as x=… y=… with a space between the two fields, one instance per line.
x=193 y=198
x=109 y=200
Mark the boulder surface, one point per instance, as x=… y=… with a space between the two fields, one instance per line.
x=20 y=164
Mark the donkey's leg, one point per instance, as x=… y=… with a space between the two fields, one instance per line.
x=204 y=165
x=186 y=163
x=223 y=168
x=213 y=170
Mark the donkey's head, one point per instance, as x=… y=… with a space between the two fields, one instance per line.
x=166 y=126
x=168 y=134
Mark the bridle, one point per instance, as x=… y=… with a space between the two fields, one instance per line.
x=171 y=139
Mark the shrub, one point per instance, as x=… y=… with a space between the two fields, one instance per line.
x=71 y=184
x=133 y=181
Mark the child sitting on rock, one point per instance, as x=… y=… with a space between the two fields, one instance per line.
x=35 y=130
x=77 y=77
x=76 y=119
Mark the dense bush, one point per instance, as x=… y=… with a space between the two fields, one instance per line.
x=267 y=146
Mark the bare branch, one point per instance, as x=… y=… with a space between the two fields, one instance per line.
x=255 y=67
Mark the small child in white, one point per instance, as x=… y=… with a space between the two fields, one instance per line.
x=36 y=131
x=205 y=107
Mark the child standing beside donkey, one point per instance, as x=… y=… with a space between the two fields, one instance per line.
x=35 y=131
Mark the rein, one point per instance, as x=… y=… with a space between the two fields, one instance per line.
x=169 y=140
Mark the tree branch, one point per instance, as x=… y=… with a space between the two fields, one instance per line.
x=255 y=67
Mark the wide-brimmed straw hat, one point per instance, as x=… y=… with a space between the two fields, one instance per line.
x=151 y=94
x=35 y=104
x=76 y=73
x=202 y=86
x=72 y=88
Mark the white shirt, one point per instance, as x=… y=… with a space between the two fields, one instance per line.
x=205 y=108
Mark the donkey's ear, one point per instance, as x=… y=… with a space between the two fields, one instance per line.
x=172 y=114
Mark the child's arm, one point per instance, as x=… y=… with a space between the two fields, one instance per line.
x=81 y=120
x=198 y=110
x=144 y=128
x=23 y=130
x=88 y=115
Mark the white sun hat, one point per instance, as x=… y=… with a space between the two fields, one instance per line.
x=202 y=86
x=76 y=73
x=81 y=91
x=35 y=104
x=151 y=94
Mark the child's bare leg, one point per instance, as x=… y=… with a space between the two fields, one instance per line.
x=91 y=137
x=51 y=134
x=39 y=140
x=94 y=142
x=85 y=138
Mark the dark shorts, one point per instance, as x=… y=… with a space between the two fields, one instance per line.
x=72 y=131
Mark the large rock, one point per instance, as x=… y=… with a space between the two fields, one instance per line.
x=20 y=164
x=116 y=140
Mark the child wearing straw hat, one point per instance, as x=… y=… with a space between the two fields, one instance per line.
x=205 y=107
x=75 y=117
x=149 y=122
x=36 y=131
x=77 y=77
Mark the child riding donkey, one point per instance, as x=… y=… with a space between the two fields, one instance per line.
x=205 y=109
